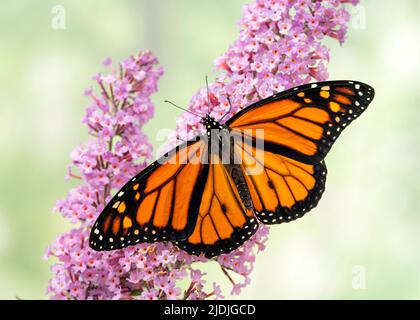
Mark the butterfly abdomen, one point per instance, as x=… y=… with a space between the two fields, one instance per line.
x=235 y=172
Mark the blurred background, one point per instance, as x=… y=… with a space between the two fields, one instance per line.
x=362 y=241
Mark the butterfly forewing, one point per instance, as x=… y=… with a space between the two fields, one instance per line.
x=158 y=204
x=303 y=123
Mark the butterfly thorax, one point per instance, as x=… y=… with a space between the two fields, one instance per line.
x=212 y=124
x=216 y=133
x=218 y=138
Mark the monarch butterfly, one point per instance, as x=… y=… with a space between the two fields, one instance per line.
x=212 y=207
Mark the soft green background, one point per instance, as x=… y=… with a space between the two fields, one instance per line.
x=369 y=215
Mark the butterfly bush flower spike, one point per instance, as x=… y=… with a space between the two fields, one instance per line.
x=117 y=150
x=279 y=46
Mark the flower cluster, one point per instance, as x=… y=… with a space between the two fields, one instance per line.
x=117 y=151
x=279 y=46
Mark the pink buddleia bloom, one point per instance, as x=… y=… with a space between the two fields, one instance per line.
x=279 y=46
x=117 y=150
x=173 y=293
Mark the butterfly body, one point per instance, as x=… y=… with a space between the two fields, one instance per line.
x=264 y=165
x=221 y=144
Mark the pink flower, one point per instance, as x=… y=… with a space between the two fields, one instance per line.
x=197 y=277
x=122 y=89
x=173 y=293
x=107 y=62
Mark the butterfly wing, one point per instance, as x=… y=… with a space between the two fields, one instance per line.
x=160 y=203
x=302 y=123
x=224 y=222
x=281 y=189
x=287 y=177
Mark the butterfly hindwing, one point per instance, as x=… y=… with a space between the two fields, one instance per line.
x=302 y=123
x=282 y=189
x=224 y=222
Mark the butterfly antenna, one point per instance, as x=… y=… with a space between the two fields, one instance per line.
x=230 y=109
x=208 y=96
x=178 y=137
x=186 y=110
